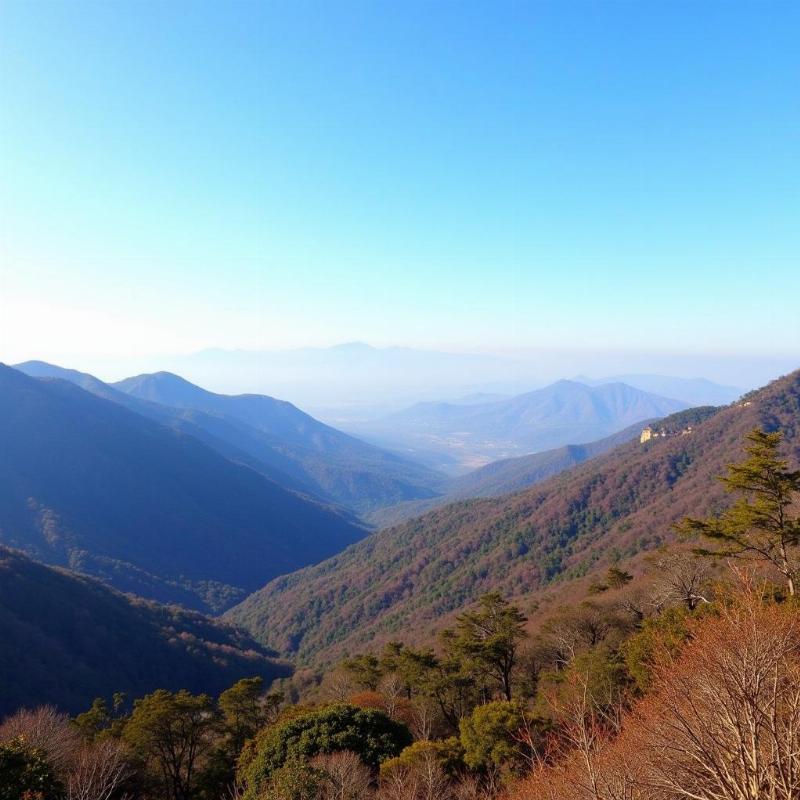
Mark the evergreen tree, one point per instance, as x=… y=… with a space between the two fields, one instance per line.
x=760 y=525
x=364 y=670
x=488 y=639
x=173 y=733
x=368 y=733
x=26 y=773
x=246 y=708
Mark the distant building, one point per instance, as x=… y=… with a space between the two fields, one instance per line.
x=648 y=433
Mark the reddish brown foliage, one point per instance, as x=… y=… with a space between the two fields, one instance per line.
x=723 y=722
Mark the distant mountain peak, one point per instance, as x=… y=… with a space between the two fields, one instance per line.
x=161 y=375
x=459 y=437
x=352 y=345
x=161 y=387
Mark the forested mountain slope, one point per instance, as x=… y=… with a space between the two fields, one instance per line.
x=407 y=578
x=86 y=483
x=67 y=639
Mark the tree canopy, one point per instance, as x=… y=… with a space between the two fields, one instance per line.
x=760 y=525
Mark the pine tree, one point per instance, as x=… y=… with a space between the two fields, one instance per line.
x=760 y=525
x=488 y=639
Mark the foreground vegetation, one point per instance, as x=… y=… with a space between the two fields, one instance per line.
x=680 y=682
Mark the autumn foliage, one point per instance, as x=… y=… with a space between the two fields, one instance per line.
x=721 y=723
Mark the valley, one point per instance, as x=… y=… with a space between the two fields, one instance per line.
x=457 y=438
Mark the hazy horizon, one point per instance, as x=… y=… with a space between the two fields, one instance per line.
x=355 y=379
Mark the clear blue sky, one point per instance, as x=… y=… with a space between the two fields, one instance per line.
x=177 y=175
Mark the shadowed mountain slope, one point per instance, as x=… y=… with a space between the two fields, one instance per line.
x=68 y=639
x=325 y=461
x=222 y=435
x=408 y=578
x=230 y=438
x=89 y=484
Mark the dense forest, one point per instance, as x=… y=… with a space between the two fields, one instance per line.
x=67 y=638
x=677 y=679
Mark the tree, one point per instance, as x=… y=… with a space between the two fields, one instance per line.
x=451 y=686
x=448 y=754
x=99 y=720
x=46 y=730
x=344 y=776
x=371 y=734
x=364 y=670
x=488 y=638
x=616 y=578
x=490 y=737
x=760 y=525
x=724 y=722
x=172 y=733
x=660 y=638
x=721 y=722
x=295 y=780
x=245 y=708
x=26 y=773
x=574 y=629
x=417 y=777
x=681 y=577
x=98 y=771
x=412 y=667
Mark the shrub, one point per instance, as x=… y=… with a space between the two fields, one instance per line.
x=370 y=734
x=26 y=773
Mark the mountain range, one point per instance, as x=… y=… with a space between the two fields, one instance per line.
x=87 y=483
x=164 y=489
x=271 y=436
x=68 y=639
x=158 y=487
x=694 y=391
x=409 y=578
x=356 y=380
x=457 y=437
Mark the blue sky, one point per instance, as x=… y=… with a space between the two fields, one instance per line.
x=498 y=175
